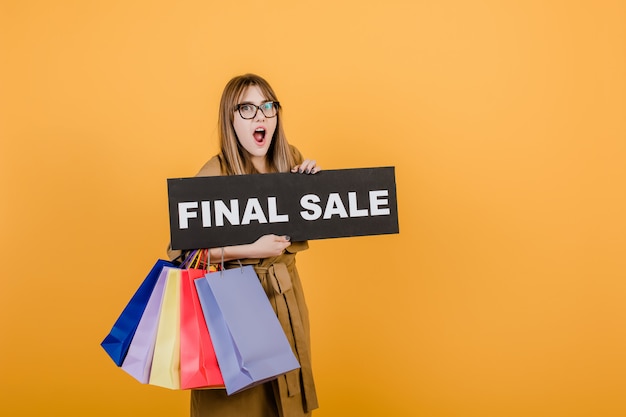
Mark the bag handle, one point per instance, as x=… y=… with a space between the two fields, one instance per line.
x=189 y=259
x=195 y=259
x=222 y=264
x=207 y=256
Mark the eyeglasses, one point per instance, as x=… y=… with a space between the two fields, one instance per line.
x=249 y=110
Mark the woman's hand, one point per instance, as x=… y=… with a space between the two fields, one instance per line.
x=268 y=245
x=264 y=247
x=309 y=166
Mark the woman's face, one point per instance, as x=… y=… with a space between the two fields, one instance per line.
x=255 y=135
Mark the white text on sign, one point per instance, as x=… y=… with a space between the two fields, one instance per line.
x=218 y=212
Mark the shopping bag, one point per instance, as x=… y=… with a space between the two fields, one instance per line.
x=198 y=363
x=116 y=343
x=249 y=342
x=138 y=360
x=165 y=369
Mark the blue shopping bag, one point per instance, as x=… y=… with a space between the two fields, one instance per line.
x=118 y=340
x=249 y=342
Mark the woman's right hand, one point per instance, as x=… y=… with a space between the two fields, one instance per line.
x=269 y=245
x=264 y=247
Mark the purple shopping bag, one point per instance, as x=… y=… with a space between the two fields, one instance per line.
x=249 y=342
x=139 y=357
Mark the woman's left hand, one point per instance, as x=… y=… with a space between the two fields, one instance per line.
x=309 y=166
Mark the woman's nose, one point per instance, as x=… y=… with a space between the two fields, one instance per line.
x=259 y=116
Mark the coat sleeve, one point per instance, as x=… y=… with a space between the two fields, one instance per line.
x=212 y=168
x=296 y=155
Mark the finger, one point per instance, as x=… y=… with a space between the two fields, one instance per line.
x=310 y=166
x=298 y=168
x=306 y=166
x=302 y=166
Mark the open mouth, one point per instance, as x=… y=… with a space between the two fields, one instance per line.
x=259 y=135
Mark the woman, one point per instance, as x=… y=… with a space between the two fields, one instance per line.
x=252 y=141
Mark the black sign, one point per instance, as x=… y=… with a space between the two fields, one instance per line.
x=207 y=212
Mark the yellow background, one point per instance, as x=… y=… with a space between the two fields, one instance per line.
x=504 y=293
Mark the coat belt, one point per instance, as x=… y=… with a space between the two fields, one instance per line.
x=288 y=313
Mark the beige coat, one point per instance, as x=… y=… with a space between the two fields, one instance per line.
x=293 y=394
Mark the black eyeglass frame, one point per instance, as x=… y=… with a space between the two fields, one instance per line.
x=275 y=104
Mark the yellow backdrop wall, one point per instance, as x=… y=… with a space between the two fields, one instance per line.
x=503 y=294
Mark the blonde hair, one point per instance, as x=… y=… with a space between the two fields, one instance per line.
x=279 y=156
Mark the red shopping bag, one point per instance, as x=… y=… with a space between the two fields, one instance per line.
x=198 y=363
